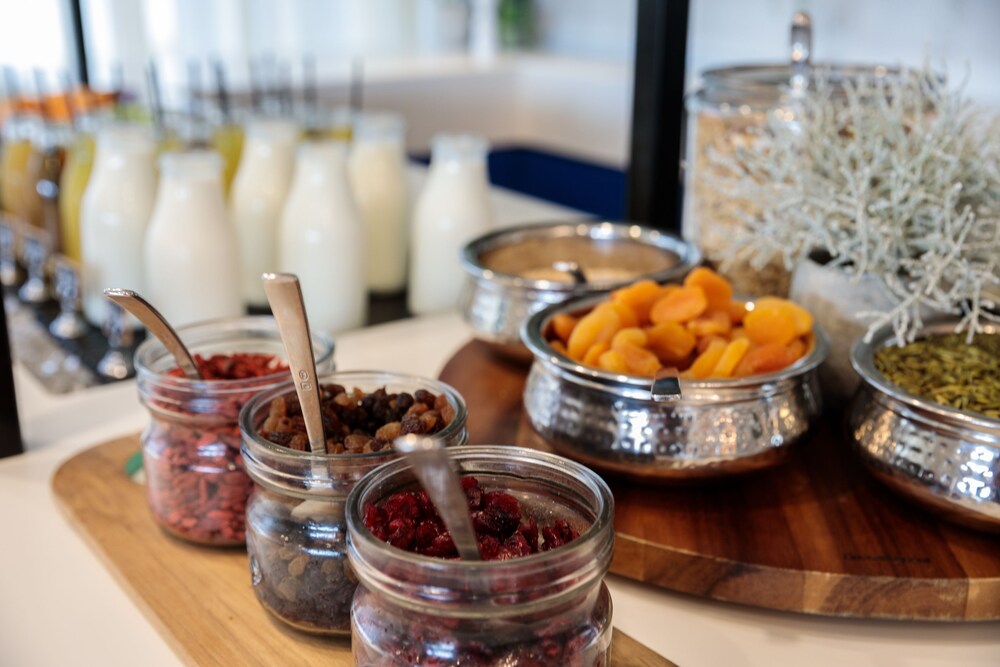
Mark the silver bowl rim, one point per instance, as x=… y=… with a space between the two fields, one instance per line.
x=640 y=387
x=687 y=254
x=863 y=361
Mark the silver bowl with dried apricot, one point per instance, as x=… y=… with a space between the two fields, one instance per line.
x=674 y=382
x=926 y=419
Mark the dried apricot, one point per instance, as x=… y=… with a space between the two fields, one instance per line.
x=625 y=313
x=705 y=341
x=595 y=351
x=671 y=342
x=680 y=305
x=558 y=346
x=767 y=358
x=796 y=349
x=638 y=360
x=706 y=361
x=639 y=297
x=731 y=356
x=769 y=323
x=562 y=325
x=717 y=289
x=630 y=336
x=596 y=326
x=737 y=311
x=712 y=323
x=613 y=361
x=803 y=318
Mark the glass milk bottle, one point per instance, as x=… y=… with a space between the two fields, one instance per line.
x=191 y=254
x=257 y=197
x=452 y=209
x=114 y=214
x=322 y=239
x=377 y=169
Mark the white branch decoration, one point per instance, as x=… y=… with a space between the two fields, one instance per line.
x=895 y=177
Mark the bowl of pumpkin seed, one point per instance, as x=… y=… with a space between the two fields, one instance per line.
x=926 y=418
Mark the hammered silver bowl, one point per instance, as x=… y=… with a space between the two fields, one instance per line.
x=947 y=460
x=510 y=274
x=621 y=424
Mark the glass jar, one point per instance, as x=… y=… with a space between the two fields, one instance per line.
x=731 y=110
x=296 y=533
x=196 y=485
x=548 y=608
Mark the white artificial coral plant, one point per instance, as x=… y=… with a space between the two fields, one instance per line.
x=893 y=176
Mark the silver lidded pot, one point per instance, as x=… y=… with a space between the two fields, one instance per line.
x=515 y=272
x=944 y=458
x=623 y=424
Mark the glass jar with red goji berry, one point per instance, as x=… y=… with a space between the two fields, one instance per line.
x=546 y=521
x=196 y=485
x=296 y=533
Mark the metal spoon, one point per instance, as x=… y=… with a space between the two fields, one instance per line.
x=157 y=325
x=433 y=468
x=573 y=269
x=284 y=295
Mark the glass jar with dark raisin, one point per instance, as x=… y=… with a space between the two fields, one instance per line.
x=543 y=602
x=195 y=482
x=296 y=532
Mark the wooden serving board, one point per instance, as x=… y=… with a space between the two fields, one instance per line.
x=815 y=535
x=200 y=599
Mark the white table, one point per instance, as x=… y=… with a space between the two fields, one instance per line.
x=59 y=605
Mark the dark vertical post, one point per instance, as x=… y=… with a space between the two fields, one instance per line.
x=10 y=429
x=80 y=47
x=654 y=187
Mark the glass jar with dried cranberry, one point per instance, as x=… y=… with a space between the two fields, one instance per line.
x=296 y=532
x=542 y=603
x=196 y=485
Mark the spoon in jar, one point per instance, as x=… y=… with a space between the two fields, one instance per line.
x=284 y=295
x=432 y=467
x=157 y=325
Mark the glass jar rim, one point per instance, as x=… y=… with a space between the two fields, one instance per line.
x=250 y=434
x=768 y=83
x=152 y=350
x=590 y=552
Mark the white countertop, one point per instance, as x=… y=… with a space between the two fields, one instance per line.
x=60 y=605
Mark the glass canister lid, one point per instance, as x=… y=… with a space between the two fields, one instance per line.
x=770 y=85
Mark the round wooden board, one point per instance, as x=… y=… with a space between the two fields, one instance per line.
x=815 y=535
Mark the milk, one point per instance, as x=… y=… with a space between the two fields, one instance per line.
x=452 y=209
x=377 y=170
x=257 y=197
x=322 y=239
x=191 y=250
x=114 y=213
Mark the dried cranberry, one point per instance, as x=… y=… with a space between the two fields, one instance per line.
x=558 y=534
x=472 y=491
x=400 y=533
x=500 y=515
x=408 y=520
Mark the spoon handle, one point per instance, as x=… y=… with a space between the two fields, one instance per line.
x=285 y=298
x=433 y=469
x=158 y=326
